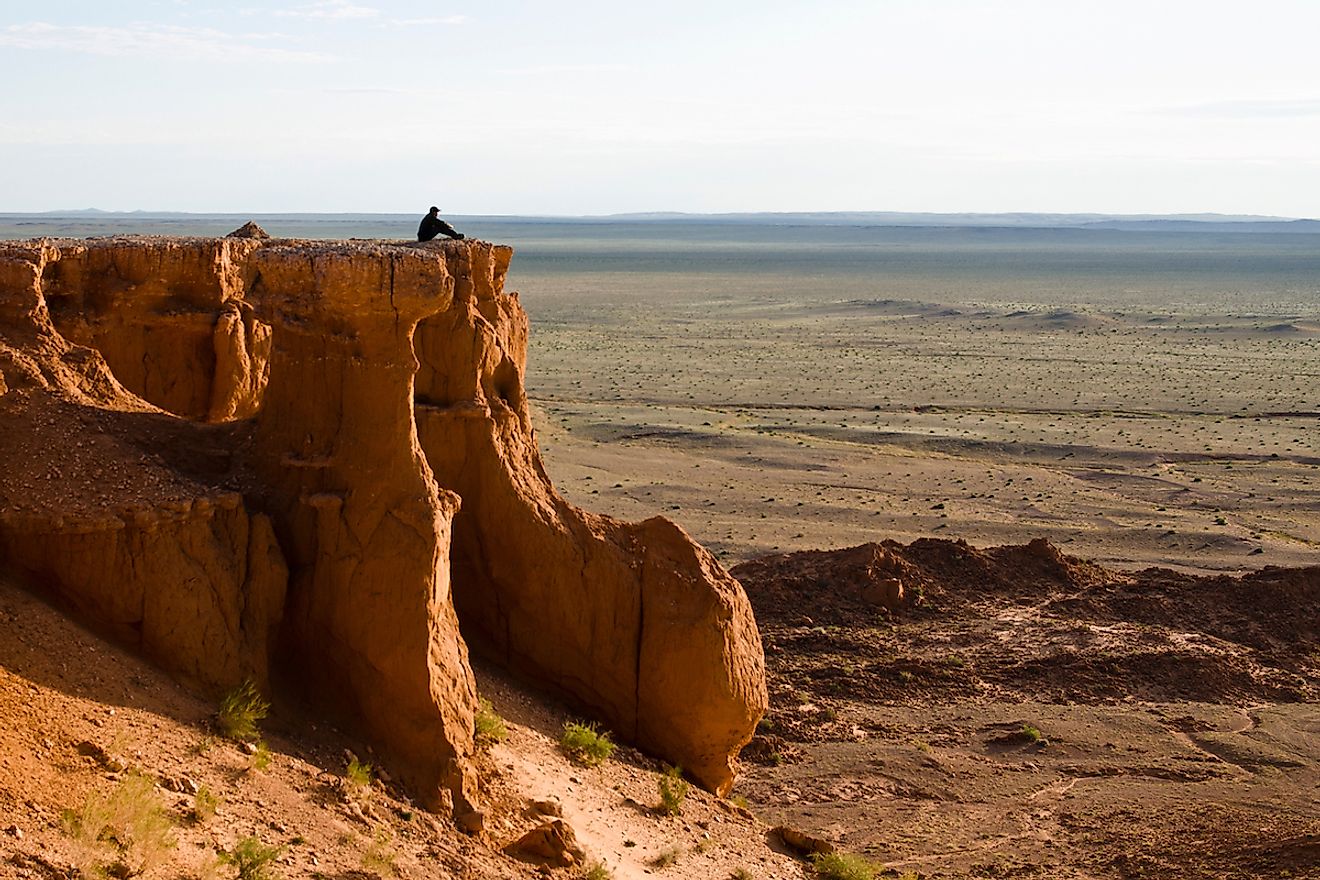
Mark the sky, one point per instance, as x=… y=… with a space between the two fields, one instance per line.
x=570 y=108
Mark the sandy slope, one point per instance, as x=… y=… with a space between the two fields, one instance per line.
x=79 y=717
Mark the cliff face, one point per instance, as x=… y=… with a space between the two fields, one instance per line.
x=249 y=457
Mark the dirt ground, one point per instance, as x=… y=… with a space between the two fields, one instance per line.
x=1133 y=436
x=80 y=720
x=1037 y=716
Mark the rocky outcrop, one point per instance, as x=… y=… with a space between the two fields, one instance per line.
x=634 y=622
x=265 y=458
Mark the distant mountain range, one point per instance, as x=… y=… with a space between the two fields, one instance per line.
x=1126 y=222
x=1123 y=222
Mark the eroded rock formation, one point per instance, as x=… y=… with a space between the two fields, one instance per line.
x=252 y=456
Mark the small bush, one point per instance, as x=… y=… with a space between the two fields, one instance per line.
x=585 y=744
x=125 y=832
x=357 y=780
x=240 y=712
x=252 y=859
x=598 y=871
x=739 y=801
x=379 y=856
x=488 y=726
x=740 y=874
x=1031 y=733
x=673 y=788
x=843 y=866
x=666 y=857
x=204 y=804
x=261 y=758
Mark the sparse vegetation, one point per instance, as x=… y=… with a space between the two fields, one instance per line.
x=357 y=780
x=666 y=857
x=123 y=833
x=739 y=801
x=379 y=856
x=241 y=710
x=740 y=874
x=1031 y=733
x=204 y=804
x=261 y=757
x=843 y=866
x=598 y=871
x=488 y=726
x=585 y=744
x=252 y=859
x=673 y=788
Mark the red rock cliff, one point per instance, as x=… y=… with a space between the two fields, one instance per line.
x=247 y=455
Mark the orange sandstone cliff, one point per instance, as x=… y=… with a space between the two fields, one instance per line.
x=314 y=462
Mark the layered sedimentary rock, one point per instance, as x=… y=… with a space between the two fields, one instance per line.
x=210 y=450
x=635 y=622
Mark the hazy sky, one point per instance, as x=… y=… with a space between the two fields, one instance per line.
x=720 y=105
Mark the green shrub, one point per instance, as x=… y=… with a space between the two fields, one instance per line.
x=488 y=726
x=260 y=758
x=598 y=871
x=252 y=859
x=380 y=855
x=673 y=788
x=240 y=711
x=125 y=832
x=666 y=857
x=585 y=744
x=1031 y=733
x=204 y=804
x=357 y=780
x=843 y=866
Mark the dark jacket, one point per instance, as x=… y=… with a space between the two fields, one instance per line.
x=433 y=226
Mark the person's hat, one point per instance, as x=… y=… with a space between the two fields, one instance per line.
x=435 y=210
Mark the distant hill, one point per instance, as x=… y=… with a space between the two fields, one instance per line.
x=1126 y=222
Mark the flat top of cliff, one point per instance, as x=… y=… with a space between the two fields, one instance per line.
x=312 y=245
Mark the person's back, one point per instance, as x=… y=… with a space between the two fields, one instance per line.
x=432 y=226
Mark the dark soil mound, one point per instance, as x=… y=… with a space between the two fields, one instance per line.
x=936 y=621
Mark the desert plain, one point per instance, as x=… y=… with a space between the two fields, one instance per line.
x=1137 y=399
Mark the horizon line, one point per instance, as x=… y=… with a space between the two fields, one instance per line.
x=1185 y=216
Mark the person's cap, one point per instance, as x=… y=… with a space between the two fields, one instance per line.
x=434 y=209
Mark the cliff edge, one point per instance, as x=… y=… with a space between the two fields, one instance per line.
x=311 y=461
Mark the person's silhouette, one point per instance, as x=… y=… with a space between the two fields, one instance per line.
x=432 y=226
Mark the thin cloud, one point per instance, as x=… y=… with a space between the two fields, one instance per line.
x=372 y=90
x=157 y=41
x=330 y=10
x=1252 y=109
x=345 y=10
x=428 y=22
x=551 y=69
